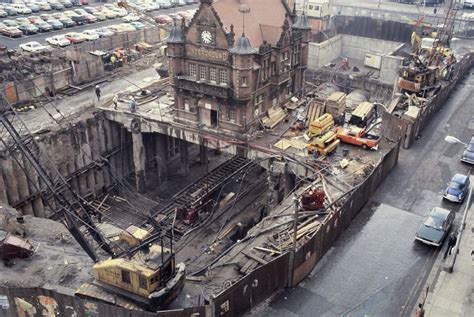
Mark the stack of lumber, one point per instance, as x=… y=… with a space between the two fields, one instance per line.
x=336 y=104
x=284 y=239
x=256 y=257
x=316 y=109
x=275 y=116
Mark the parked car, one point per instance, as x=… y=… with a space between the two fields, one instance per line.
x=164 y=4
x=468 y=155
x=66 y=3
x=127 y=27
x=34 y=47
x=100 y=16
x=20 y=8
x=89 y=17
x=2 y=26
x=3 y=13
x=104 y=32
x=108 y=13
x=33 y=6
x=457 y=188
x=46 y=16
x=436 y=227
x=9 y=10
x=131 y=18
x=79 y=19
x=137 y=25
x=67 y=22
x=28 y=28
x=22 y=20
x=84 y=2
x=12 y=31
x=34 y=19
x=90 y=35
x=55 y=5
x=58 y=40
x=90 y=10
x=10 y=23
x=75 y=37
x=43 y=5
x=44 y=26
x=56 y=24
x=163 y=19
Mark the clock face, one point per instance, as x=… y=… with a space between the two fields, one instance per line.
x=206 y=37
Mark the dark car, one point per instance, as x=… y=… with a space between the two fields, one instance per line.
x=56 y=24
x=468 y=155
x=457 y=188
x=67 y=22
x=436 y=227
x=44 y=27
x=56 y=6
x=28 y=28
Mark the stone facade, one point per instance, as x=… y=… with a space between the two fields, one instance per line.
x=223 y=85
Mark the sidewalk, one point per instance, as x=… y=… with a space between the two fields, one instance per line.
x=453 y=293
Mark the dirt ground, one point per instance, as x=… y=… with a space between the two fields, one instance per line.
x=58 y=261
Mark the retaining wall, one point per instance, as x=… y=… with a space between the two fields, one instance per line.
x=238 y=298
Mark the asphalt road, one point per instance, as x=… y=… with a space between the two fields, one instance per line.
x=40 y=37
x=376 y=268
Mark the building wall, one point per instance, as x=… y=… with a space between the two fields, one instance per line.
x=321 y=54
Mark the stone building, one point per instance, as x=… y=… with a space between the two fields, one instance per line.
x=234 y=60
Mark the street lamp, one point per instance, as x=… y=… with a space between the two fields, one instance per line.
x=452 y=140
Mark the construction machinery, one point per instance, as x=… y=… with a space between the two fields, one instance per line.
x=433 y=58
x=139 y=272
x=313 y=199
x=320 y=125
x=324 y=144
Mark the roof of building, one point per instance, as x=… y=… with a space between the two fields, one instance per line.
x=302 y=23
x=242 y=46
x=263 y=23
x=176 y=34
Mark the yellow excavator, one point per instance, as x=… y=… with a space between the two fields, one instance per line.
x=146 y=276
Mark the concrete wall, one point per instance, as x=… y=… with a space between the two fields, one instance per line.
x=355 y=47
x=74 y=153
x=321 y=54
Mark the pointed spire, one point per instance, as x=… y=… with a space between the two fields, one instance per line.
x=243 y=47
x=302 y=23
x=176 y=34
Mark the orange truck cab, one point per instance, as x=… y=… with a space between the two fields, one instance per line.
x=357 y=136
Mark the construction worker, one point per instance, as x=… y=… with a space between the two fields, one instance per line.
x=133 y=104
x=115 y=101
x=344 y=63
x=97 y=92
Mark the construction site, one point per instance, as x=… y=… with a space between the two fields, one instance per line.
x=218 y=165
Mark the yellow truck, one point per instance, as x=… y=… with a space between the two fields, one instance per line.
x=324 y=144
x=320 y=126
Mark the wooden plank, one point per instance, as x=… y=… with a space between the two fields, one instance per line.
x=254 y=257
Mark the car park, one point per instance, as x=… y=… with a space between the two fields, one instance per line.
x=137 y=25
x=436 y=227
x=44 y=26
x=90 y=35
x=457 y=188
x=104 y=32
x=58 y=40
x=56 y=24
x=468 y=154
x=75 y=37
x=12 y=31
x=34 y=47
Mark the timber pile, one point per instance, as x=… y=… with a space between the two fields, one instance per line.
x=256 y=257
x=283 y=239
x=275 y=116
x=316 y=109
x=336 y=104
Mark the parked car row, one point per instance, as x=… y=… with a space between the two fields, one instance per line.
x=439 y=221
x=169 y=18
x=33 y=6
x=91 y=35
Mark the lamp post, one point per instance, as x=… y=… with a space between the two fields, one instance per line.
x=452 y=140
